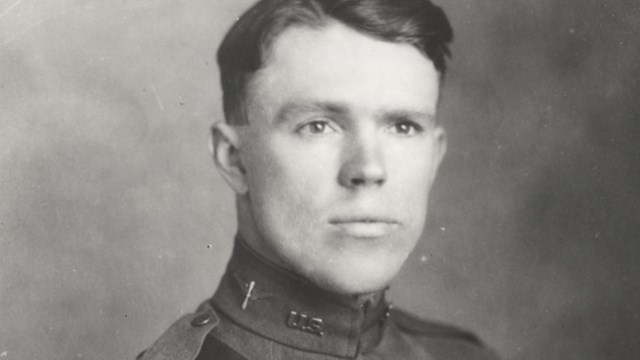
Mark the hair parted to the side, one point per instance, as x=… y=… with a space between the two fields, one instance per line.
x=245 y=48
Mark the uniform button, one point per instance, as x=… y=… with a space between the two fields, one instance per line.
x=201 y=319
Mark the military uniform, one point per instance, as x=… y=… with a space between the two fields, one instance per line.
x=261 y=311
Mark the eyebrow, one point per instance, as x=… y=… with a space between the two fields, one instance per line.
x=395 y=115
x=293 y=108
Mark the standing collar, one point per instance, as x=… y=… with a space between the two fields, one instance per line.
x=284 y=307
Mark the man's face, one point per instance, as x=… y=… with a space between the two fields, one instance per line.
x=339 y=155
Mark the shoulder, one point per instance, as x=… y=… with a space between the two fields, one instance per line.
x=184 y=338
x=415 y=325
x=442 y=340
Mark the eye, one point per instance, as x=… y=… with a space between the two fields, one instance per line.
x=316 y=127
x=406 y=128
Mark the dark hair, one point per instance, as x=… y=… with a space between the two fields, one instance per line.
x=246 y=46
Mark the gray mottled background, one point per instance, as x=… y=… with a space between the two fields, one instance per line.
x=113 y=221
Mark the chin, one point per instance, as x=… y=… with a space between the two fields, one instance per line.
x=356 y=277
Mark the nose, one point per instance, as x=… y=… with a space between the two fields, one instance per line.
x=363 y=163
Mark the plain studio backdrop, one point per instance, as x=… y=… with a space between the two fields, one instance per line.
x=114 y=222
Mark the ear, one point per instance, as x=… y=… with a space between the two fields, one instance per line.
x=439 y=148
x=225 y=148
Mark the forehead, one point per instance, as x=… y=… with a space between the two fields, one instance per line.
x=335 y=63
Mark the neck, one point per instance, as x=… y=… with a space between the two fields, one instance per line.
x=249 y=234
x=280 y=305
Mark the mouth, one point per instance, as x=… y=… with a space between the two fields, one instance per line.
x=365 y=227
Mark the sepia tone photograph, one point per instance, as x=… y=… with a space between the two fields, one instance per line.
x=320 y=179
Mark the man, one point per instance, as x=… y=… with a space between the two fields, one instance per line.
x=331 y=145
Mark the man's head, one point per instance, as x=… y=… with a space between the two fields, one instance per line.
x=247 y=47
x=331 y=142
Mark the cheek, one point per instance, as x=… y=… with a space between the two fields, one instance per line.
x=289 y=181
x=410 y=180
x=301 y=168
x=414 y=166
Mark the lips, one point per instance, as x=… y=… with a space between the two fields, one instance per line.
x=365 y=227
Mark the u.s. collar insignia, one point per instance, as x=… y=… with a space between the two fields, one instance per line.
x=305 y=323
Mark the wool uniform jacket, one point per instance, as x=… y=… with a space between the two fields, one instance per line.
x=263 y=312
